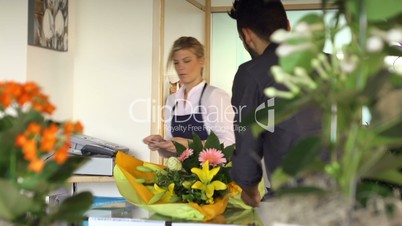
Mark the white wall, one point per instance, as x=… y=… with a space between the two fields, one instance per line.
x=104 y=80
x=113 y=69
x=13 y=40
x=181 y=19
x=227 y=51
x=54 y=71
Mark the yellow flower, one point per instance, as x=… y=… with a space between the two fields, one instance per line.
x=166 y=195
x=205 y=183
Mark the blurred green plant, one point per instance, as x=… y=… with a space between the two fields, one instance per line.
x=34 y=159
x=354 y=76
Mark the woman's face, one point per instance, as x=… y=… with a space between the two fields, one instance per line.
x=188 y=67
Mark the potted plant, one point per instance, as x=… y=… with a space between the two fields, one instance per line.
x=363 y=162
x=34 y=159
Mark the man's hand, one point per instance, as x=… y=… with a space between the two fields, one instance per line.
x=251 y=196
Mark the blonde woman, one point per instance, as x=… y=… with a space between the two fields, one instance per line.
x=196 y=107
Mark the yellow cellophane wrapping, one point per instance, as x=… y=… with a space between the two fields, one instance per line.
x=125 y=175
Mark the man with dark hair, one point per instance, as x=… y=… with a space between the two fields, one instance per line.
x=256 y=21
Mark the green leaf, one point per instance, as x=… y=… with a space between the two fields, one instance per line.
x=373 y=65
x=301 y=155
x=386 y=141
x=279 y=178
x=391 y=129
x=156 y=197
x=382 y=10
x=179 y=147
x=32 y=116
x=6 y=122
x=393 y=50
x=228 y=151
x=13 y=204
x=212 y=141
x=387 y=162
x=366 y=190
x=396 y=80
x=298 y=59
x=391 y=176
x=67 y=169
x=303 y=58
x=374 y=84
x=196 y=145
x=53 y=175
x=312 y=18
x=73 y=208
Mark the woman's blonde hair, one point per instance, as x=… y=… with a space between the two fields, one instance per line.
x=186 y=42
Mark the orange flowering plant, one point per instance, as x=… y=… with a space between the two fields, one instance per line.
x=34 y=159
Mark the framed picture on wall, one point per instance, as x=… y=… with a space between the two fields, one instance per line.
x=48 y=24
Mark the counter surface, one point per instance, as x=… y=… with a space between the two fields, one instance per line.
x=124 y=213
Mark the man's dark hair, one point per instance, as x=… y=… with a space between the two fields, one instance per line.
x=263 y=17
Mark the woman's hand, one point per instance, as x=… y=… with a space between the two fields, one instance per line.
x=165 y=148
x=152 y=141
x=181 y=140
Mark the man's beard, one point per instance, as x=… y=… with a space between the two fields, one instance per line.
x=252 y=53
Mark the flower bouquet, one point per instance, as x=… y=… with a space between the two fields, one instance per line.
x=195 y=185
x=34 y=159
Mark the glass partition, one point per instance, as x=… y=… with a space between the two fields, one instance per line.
x=227 y=51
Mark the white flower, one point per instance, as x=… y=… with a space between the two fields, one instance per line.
x=349 y=64
x=283 y=35
x=272 y=92
x=302 y=27
x=279 y=35
x=174 y=164
x=374 y=44
x=286 y=49
x=303 y=78
x=284 y=78
x=394 y=35
x=279 y=74
x=316 y=63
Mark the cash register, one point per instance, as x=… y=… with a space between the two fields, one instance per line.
x=101 y=153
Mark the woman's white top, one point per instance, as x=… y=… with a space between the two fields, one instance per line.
x=216 y=109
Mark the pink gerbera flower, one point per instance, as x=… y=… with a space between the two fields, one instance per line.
x=214 y=156
x=187 y=153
